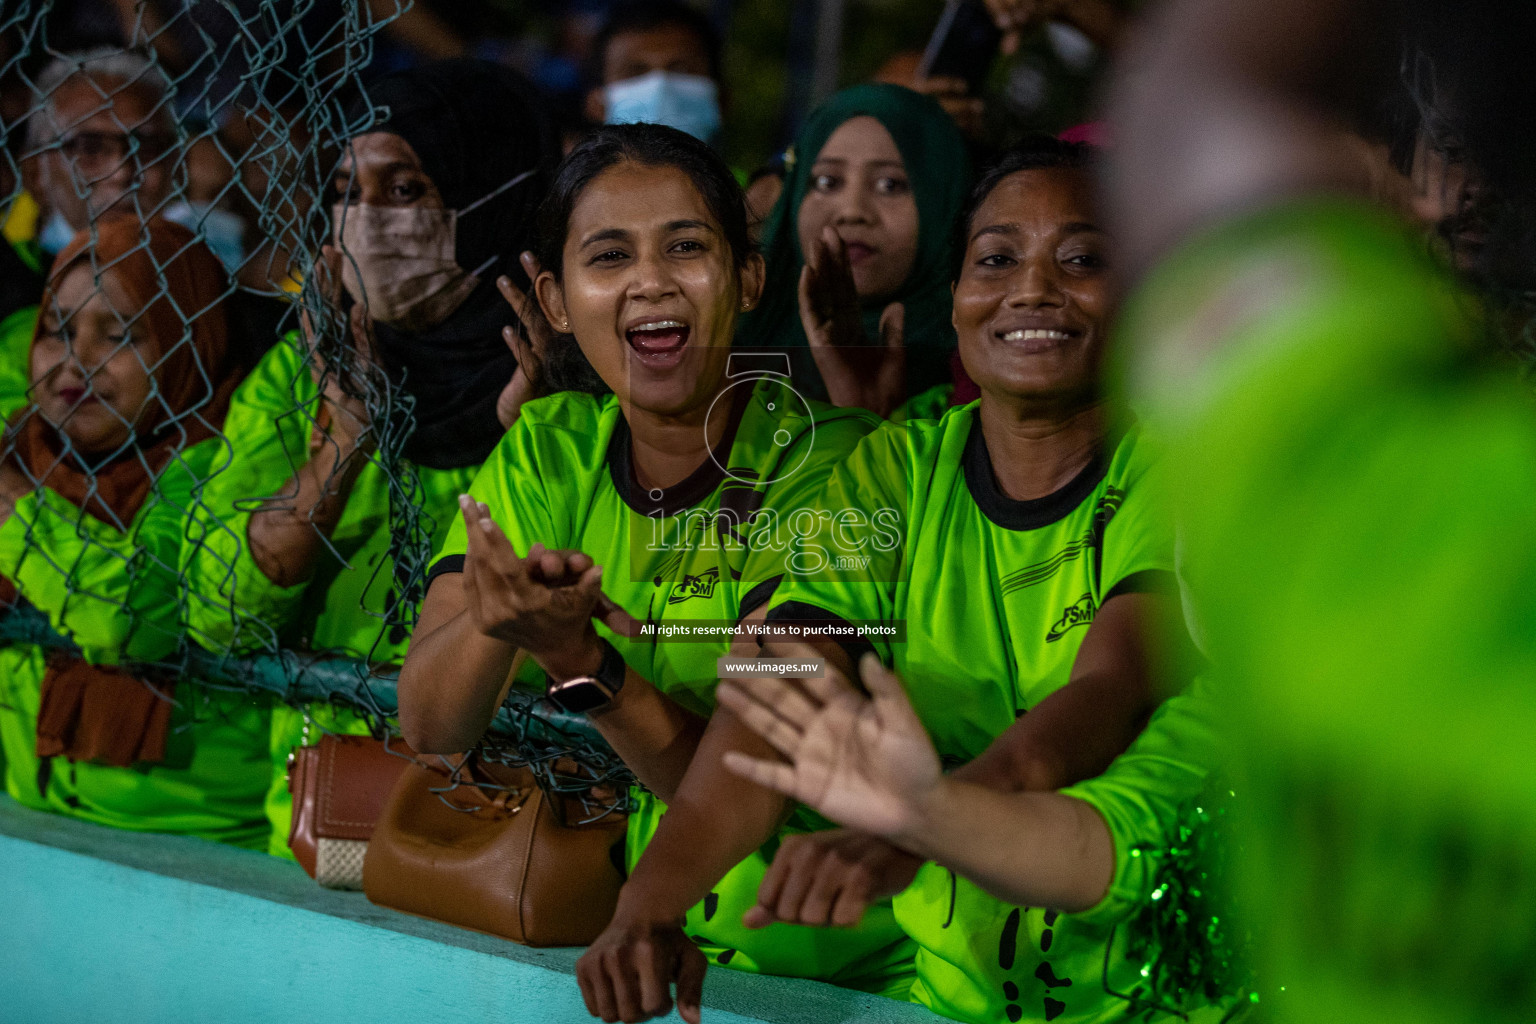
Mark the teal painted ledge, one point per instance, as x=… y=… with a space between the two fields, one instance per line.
x=99 y=925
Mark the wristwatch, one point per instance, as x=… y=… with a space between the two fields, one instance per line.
x=590 y=693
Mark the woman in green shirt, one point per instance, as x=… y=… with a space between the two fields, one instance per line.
x=660 y=505
x=859 y=250
x=98 y=477
x=302 y=535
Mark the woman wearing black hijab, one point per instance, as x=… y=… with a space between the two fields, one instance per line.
x=292 y=544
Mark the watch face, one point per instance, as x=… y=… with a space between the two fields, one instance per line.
x=783 y=402
x=580 y=695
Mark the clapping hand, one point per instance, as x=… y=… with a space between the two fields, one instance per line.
x=543 y=603
x=856 y=373
x=529 y=345
x=864 y=762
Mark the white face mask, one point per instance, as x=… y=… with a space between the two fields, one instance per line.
x=689 y=103
x=400 y=262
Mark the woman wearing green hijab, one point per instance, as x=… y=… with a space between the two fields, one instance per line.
x=859 y=249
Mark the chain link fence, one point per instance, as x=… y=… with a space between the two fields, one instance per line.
x=229 y=119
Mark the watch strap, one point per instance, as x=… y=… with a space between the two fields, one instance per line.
x=611 y=670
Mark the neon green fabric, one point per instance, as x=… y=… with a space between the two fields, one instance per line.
x=1358 y=521
x=234 y=606
x=1139 y=795
x=115 y=595
x=563 y=477
x=927 y=405
x=15 y=353
x=996 y=596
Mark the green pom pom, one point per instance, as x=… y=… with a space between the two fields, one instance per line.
x=1187 y=946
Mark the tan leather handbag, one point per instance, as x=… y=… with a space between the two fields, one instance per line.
x=339 y=787
x=497 y=859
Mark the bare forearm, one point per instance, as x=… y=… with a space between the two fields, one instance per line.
x=654 y=735
x=286 y=534
x=450 y=686
x=1072 y=735
x=1029 y=849
x=715 y=820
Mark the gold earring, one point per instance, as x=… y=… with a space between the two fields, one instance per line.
x=565 y=326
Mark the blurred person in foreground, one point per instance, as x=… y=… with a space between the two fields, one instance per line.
x=1358 y=469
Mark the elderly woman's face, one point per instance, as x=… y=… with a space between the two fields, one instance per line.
x=90 y=377
x=859 y=188
x=1032 y=303
x=650 y=288
x=382 y=169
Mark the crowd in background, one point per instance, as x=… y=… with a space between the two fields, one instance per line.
x=1157 y=454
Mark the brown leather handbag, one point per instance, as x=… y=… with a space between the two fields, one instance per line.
x=339 y=787
x=500 y=859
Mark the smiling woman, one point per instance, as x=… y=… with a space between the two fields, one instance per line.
x=651 y=295
x=597 y=511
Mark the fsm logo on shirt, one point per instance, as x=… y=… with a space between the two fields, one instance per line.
x=1078 y=613
x=702 y=585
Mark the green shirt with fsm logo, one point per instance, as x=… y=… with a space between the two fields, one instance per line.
x=995 y=596
x=697 y=556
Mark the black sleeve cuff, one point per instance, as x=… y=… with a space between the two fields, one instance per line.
x=1183 y=650
x=446 y=564
x=800 y=611
x=1150 y=581
x=758 y=596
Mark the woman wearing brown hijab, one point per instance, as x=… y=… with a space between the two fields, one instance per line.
x=130 y=377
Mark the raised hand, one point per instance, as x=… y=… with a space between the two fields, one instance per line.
x=529 y=345
x=856 y=373
x=829 y=299
x=327 y=274
x=830 y=878
x=864 y=762
x=542 y=603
